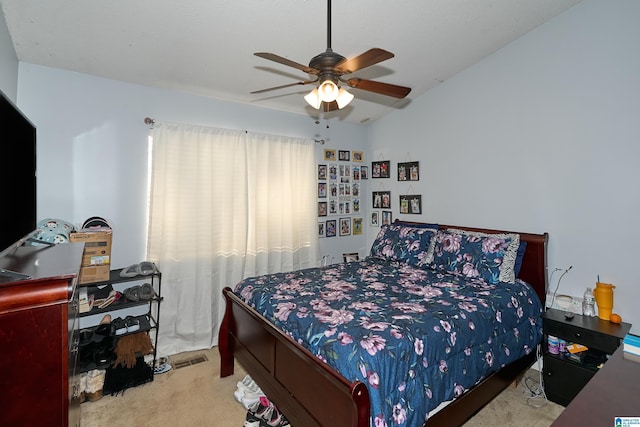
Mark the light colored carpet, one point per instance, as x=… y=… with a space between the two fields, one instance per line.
x=195 y=395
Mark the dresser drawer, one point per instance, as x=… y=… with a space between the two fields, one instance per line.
x=588 y=337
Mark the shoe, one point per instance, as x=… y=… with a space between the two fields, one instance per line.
x=132 y=324
x=132 y=293
x=161 y=369
x=146 y=268
x=146 y=292
x=131 y=271
x=118 y=326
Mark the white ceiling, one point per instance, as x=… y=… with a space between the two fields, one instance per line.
x=205 y=47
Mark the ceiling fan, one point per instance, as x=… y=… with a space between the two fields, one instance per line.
x=329 y=67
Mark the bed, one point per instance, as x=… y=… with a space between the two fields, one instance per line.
x=323 y=376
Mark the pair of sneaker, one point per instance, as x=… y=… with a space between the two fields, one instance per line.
x=263 y=413
x=122 y=326
x=248 y=392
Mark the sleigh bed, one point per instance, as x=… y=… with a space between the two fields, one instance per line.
x=297 y=345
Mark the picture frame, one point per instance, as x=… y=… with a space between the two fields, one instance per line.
x=345 y=226
x=329 y=154
x=350 y=257
x=381 y=199
x=364 y=172
x=409 y=171
x=357 y=156
x=380 y=169
x=411 y=204
x=387 y=217
x=321 y=228
x=330 y=228
x=375 y=219
x=322 y=172
x=322 y=190
x=344 y=155
x=322 y=208
x=356 y=226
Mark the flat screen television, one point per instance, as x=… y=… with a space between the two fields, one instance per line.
x=17 y=174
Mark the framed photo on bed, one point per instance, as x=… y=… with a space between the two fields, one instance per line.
x=409 y=171
x=350 y=257
x=380 y=169
x=345 y=226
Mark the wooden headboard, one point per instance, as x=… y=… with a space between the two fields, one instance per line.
x=534 y=262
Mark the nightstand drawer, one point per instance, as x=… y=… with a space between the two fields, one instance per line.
x=590 y=338
x=563 y=379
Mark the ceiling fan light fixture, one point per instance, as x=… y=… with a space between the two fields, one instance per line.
x=344 y=98
x=313 y=99
x=328 y=91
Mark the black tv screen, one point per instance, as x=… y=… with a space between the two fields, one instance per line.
x=17 y=174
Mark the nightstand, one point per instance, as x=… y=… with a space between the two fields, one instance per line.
x=564 y=377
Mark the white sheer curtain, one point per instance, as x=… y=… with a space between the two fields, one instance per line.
x=224 y=205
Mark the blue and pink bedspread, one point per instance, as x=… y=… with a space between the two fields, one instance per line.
x=416 y=337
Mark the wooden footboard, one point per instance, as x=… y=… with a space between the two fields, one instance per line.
x=308 y=392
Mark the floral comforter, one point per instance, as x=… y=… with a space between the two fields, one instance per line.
x=416 y=337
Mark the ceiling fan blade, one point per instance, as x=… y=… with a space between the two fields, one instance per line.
x=364 y=60
x=283 y=86
x=281 y=60
x=379 y=87
x=329 y=106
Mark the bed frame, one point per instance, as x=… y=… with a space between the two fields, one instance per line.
x=310 y=393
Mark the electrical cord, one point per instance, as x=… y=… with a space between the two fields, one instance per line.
x=534 y=392
x=553 y=298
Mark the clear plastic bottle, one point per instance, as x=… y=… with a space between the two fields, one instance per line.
x=588 y=303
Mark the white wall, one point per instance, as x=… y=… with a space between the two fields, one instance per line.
x=543 y=135
x=8 y=64
x=92 y=147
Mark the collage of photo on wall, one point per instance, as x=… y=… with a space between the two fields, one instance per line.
x=408 y=203
x=339 y=192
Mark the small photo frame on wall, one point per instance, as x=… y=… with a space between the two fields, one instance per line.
x=321 y=228
x=358 y=156
x=350 y=257
x=322 y=172
x=330 y=228
x=375 y=219
x=409 y=171
x=387 y=217
x=356 y=226
x=329 y=155
x=345 y=226
x=364 y=172
x=322 y=190
x=381 y=199
x=380 y=169
x=322 y=208
x=411 y=204
x=344 y=155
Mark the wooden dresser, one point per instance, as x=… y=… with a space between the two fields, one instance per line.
x=39 y=385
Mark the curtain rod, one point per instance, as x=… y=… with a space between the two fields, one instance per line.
x=151 y=122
